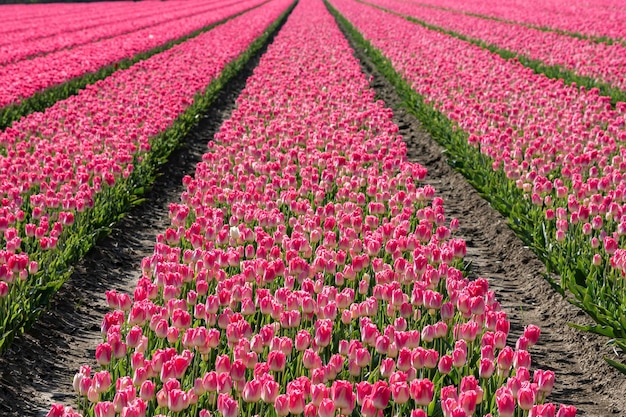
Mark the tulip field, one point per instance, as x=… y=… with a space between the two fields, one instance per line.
x=308 y=267
x=39 y=71
x=602 y=20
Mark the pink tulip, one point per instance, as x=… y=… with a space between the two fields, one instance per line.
x=505 y=401
x=281 y=405
x=296 y=402
x=532 y=332
x=445 y=364
x=544 y=381
x=422 y=391
x=326 y=408
x=177 y=400
x=542 y=410
x=566 y=411
x=526 y=397
x=104 y=409
x=468 y=400
x=252 y=391
x=342 y=395
x=227 y=406
x=269 y=391
x=381 y=393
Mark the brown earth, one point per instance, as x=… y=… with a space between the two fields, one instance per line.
x=516 y=275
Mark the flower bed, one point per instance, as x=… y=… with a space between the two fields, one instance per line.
x=35 y=84
x=306 y=271
x=599 y=61
x=546 y=154
x=590 y=19
x=74 y=168
x=90 y=27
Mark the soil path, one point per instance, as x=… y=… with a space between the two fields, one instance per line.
x=515 y=273
x=38 y=369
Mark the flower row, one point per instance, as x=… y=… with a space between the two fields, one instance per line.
x=53 y=36
x=56 y=164
x=600 y=61
x=558 y=149
x=307 y=272
x=28 y=18
x=22 y=79
x=582 y=18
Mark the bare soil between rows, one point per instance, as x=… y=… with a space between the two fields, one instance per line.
x=38 y=368
x=515 y=273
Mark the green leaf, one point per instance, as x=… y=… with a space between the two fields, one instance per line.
x=620 y=366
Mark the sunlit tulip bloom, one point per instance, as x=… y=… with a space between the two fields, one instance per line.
x=566 y=411
x=445 y=364
x=422 y=391
x=467 y=401
x=486 y=368
x=544 y=381
x=281 y=405
x=326 y=408
x=296 y=401
x=269 y=391
x=521 y=358
x=146 y=392
x=252 y=391
x=431 y=357
x=381 y=393
x=104 y=409
x=101 y=381
x=532 y=332
x=224 y=383
x=400 y=392
x=505 y=401
x=505 y=359
x=227 y=406
x=459 y=357
x=542 y=410
x=342 y=395
x=177 y=400
x=104 y=352
x=526 y=397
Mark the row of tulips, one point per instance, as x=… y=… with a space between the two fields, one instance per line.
x=598 y=61
x=15 y=13
x=27 y=19
x=549 y=155
x=53 y=36
x=62 y=17
x=307 y=272
x=67 y=171
x=579 y=19
x=35 y=84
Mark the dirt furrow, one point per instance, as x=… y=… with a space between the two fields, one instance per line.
x=39 y=367
x=515 y=273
